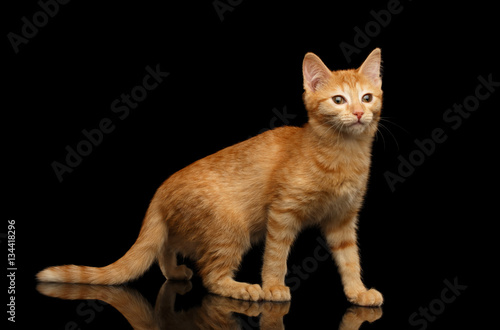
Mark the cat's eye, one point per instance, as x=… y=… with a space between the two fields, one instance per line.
x=367 y=98
x=338 y=99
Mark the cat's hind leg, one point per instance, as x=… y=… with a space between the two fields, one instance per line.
x=217 y=268
x=167 y=260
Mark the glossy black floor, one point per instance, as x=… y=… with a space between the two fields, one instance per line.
x=317 y=303
x=227 y=70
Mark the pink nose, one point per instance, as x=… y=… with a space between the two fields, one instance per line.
x=358 y=114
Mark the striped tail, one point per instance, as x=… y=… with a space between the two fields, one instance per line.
x=133 y=264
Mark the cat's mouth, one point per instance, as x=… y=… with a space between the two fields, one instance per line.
x=357 y=126
x=350 y=125
x=356 y=123
x=361 y=122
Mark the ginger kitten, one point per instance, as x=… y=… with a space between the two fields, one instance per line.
x=267 y=187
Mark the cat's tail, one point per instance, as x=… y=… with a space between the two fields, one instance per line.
x=129 y=267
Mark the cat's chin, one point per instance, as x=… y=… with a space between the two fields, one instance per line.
x=356 y=128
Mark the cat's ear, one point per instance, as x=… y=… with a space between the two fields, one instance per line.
x=372 y=67
x=314 y=71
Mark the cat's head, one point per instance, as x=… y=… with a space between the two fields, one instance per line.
x=344 y=101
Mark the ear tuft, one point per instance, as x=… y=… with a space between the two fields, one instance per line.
x=372 y=67
x=315 y=72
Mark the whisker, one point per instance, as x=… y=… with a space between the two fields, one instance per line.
x=381 y=134
x=388 y=130
x=397 y=125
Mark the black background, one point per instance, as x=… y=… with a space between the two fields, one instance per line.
x=225 y=78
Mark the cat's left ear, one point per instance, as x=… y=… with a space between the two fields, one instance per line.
x=315 y=72
x=372 y=68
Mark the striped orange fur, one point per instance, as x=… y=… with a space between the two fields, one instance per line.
x=267 y=187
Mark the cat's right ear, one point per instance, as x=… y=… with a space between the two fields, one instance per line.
x=315 y=72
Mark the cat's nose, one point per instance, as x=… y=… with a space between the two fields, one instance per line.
x=358 y=113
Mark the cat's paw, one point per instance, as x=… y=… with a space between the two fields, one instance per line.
x=252 y=292
x=237 y=290
x=277 y=293
x=180 y=273
x=180 y=287
x=366 y=298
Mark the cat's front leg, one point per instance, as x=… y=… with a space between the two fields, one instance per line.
x=281 y=232
x=343 y=244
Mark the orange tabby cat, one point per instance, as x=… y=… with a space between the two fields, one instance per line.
x=270 y=186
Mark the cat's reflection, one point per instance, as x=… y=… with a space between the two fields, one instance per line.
x=215 y=312
x=356 y=315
